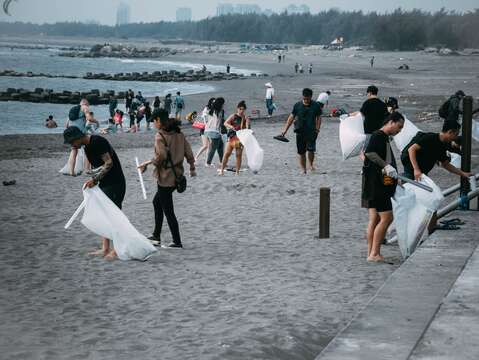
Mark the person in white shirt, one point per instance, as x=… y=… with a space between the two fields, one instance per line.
x=323 y=99
x=269 y=98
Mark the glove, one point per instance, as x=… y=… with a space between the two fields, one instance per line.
x=390 y=171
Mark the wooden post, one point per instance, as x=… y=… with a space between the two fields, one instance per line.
x=324 y=207
x=466 y=146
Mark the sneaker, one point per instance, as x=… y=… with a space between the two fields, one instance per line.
x=156 y=241
x=175 y=245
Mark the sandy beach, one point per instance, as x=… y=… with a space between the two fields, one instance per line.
x=253 y=281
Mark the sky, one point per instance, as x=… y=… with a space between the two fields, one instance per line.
x=104 y=11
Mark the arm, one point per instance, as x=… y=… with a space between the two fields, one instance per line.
x=288 y=124
x=101 y=171
x=190 y=158
x=318 y=123
x=73 y=156
x=412 y=151
x=376 y=159
x=454 y=170
x=227 y=123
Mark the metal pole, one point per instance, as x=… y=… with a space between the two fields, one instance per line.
x=466 y=146
x=454 y=188
x=324 y=209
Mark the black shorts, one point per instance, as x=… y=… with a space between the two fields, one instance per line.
x=115 y=193
x=306 y=142
x=380 y=204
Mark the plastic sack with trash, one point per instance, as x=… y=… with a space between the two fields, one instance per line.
x=78 y=163
x=254 y=152
x=351 y=135
x=404 y=137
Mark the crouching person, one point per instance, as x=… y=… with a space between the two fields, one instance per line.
x=379 y=183
x=171 y=147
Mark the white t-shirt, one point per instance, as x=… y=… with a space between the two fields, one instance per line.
x=323 y=98
x=269 y=93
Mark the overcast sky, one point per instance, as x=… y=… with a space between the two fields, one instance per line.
x=104 y=11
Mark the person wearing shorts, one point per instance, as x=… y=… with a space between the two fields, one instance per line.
x=306 y=115
x=379 y=183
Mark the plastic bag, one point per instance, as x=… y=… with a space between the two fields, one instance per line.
x=433 y=200
x=104 y=218
x=254 y=152
x=475 y=130
x=455 y=159
x=411 y=219
x=405 y=136
x=351 y=135
x=78 y=164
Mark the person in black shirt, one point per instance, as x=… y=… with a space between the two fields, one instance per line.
x=306 y=115
x=106 y=172
x=379 y=183
x=427 y=149
x=374 y=111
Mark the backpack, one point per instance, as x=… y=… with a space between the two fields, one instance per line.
x=74 y=113
x=444 y=109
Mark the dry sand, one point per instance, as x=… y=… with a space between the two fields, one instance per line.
x=253 y=281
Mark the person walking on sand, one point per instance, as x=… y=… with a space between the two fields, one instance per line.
x=171 y=146
x=235 y=122
x=379 y=183
x=306 y=115
x=300 y=68
x=204 y=139
x=106 y=173
x=156 y=103
x=269 y=98
x=214 y=124
x=179 y=105
x=323 y=99
x=296 y=68
x=310 y=68
x=167 y=103
x=128 y=99
x=372 y=61
x=374 y=111
x=228 y=68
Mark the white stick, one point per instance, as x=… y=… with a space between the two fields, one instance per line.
x=75 y=214
x=141 y=178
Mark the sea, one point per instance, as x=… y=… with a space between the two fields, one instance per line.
x=29 y=118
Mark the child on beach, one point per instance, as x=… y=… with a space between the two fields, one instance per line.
x=237 y=121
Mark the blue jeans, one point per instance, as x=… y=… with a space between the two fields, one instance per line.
x=269 y=106
x=216 y=144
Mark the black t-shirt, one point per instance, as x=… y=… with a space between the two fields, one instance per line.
x=373 y=187
x=305 y=116
x=94 y=151
x=432 y=150
x=374 y=111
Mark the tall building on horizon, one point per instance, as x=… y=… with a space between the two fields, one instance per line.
x=123 y=14
x=183 y=14
x=226 y=9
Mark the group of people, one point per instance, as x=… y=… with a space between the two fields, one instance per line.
x=298 y=68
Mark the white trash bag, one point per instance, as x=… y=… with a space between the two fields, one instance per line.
x=411 y=219
x=254 y=152
x=78 y=164
x=475 y=130
x=455 y=159
x=431 y=200
x=405 y=136
x=351 y=135
x=105 y=219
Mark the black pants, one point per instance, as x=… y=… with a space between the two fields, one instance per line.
x=163 y=205
x=216 y=145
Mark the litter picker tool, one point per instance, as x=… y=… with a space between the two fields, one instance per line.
x=141 y=178
x=415 y=183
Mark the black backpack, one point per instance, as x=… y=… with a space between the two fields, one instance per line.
x=444 y=109
x=74 y=113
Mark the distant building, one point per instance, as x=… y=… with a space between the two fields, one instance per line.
x=226 y=9
x=297 y=9
x=122 y=14
x=268 y=12
x=183 y=14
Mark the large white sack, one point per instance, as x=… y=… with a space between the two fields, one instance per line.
x=104 y=218
x=411 y=219
x=475 y=130
x=351 y=135
x=431 y=200
x=78 y=164
x=405 y=136
x=455 y=159
x=254 y=152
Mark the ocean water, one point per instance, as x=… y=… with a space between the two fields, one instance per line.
x=28 y=118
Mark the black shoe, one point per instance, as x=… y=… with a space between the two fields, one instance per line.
x=155 y=240
x=174 y=245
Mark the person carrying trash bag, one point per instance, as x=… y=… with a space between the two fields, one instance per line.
x=106 y=173
x=171 y=148
x=379 y=183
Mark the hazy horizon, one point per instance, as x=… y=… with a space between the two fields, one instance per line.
x=51 y=11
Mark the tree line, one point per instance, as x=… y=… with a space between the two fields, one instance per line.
x=396 y=30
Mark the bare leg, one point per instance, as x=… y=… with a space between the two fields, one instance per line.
x=302 y=163
x=386 y=219
x=311 y=160
x=112 y=255
x=373 y=221
x=105 y=248
x=229 y=150
x=239 y=155
x=204 y=147
x=72 y=161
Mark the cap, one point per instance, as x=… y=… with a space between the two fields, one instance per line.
x=72 y=133
x=392 y=102
x=268 y=84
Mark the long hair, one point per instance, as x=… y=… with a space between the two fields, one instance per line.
x=217 y=106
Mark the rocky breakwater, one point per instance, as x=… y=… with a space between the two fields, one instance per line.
x=40 y=95
x=120 y=51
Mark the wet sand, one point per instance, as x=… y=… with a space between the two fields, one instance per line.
x=253 y=281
